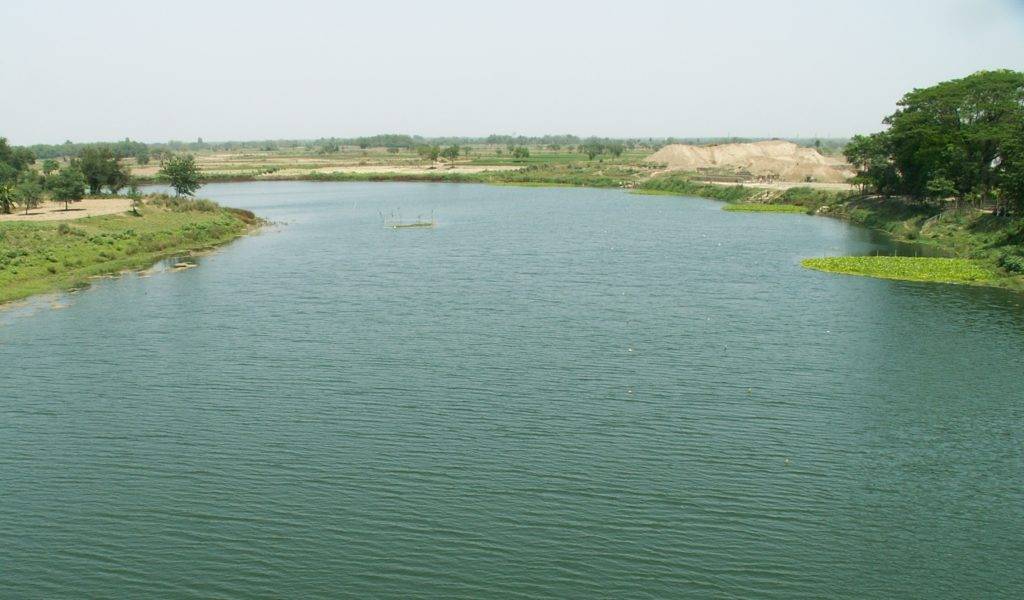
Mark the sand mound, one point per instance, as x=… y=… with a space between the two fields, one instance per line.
x=774 y=159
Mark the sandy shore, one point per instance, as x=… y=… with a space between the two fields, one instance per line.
x=54 y=211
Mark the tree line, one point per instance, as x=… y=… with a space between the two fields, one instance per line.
x=92 y=169
x=960 y=139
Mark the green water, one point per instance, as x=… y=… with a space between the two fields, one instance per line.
x=555 y=393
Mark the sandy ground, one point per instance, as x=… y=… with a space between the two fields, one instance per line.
x=54 y=211
x=777 y=158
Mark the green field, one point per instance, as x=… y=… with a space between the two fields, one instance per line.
x=908 y=268
x=38 y=257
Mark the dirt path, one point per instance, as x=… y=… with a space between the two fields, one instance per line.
x=54 y=211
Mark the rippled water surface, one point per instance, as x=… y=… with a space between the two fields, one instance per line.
x=555 y=393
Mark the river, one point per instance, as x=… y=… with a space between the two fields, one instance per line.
x=556 y=392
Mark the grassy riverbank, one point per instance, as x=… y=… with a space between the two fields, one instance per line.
x=990 y=248
x=39 y=257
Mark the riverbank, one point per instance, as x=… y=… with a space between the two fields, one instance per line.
x=46 y=256
x=983 y=243
x=997 y=243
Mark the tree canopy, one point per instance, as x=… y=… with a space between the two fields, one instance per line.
x=13 y=161
x=962 y=138
x=182 y=174
x=101 y=168
x=68 y=185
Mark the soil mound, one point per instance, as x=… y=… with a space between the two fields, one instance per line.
x=768 y=160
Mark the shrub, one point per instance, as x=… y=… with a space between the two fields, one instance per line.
x=1012 y=262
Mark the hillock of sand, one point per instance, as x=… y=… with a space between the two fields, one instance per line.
x=769 y=160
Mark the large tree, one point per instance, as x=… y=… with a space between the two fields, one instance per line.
x=68 y=185
x=101 y=168
x=13 y=161
x=28 y=192
x=958 y=138
x=182 y=174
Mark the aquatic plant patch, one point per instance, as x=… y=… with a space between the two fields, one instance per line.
x=908 y=268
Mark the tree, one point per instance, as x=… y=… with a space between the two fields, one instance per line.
x=101 y=168
x=964 y=131
x=871 y=156
x=451 y=152
x=520 y=153
x=68 y=185
x=429 y=152
x=7 y=197
x=182 y=174
x=13 y=161
x=962 y=138
x=49 y=166
x=329 y=147
x=591 y=149
x=29 y=193
x=118 y=178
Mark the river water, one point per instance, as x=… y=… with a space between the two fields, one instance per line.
x=554 y=393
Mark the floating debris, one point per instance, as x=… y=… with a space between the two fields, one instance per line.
x=394 y=221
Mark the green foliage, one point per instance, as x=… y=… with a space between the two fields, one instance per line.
x=50 y=166
x=751 y=207
x=1012 y=262
x=430 y=153
x=520 y=153
x=7 y=197
x=451 y=152
x=101 y=167
x=13 y=161
x=680 y=184
x=44 y=256
x=594 y=147
x=960 y=138
x=390 y=140
x=29 y=193
x=123 y=149
x=329 y=147
x=943 y=270
x=182 y=174
x=68 y=185
x=183 y=204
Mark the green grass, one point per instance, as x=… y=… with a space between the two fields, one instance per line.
x=680 y=184
x=39 y=257
x=782 y=208
x=908 y=268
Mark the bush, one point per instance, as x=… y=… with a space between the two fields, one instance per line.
x=1012 y=262
x=183 y=203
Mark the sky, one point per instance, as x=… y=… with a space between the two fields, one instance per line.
x=226 y=70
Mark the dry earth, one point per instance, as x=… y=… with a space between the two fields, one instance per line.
x=54 y=211
x=774 y=158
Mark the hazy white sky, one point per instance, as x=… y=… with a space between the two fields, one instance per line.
x=104 y=70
